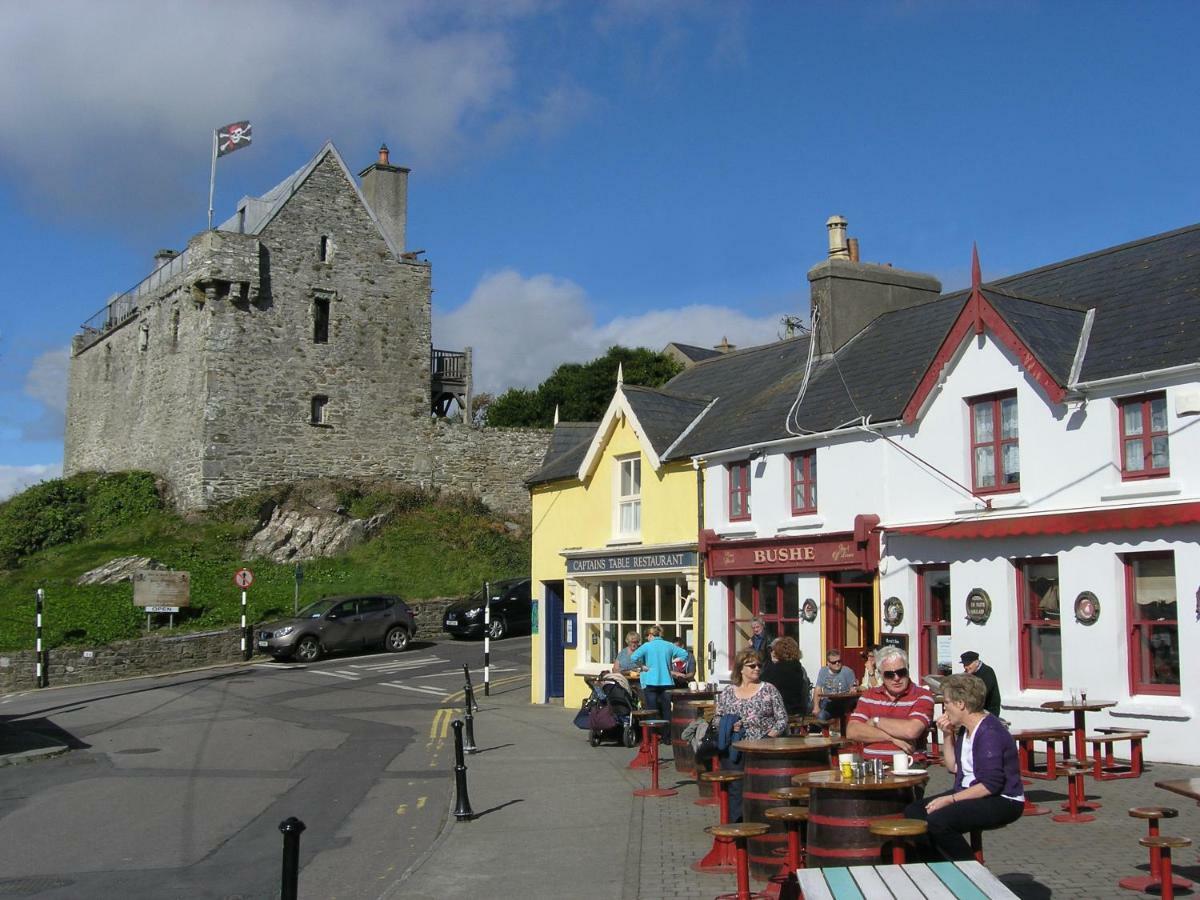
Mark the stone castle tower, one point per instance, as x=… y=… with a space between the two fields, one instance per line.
x=292 y=341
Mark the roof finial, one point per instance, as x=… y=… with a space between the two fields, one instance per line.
x=976 y=279
x=620 y=374
x=555 y=413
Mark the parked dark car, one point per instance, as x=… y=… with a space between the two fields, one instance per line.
x=340 y=623
x=511 y=611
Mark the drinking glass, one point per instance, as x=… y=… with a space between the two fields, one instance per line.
x=1083 y=695
x=1074 y=697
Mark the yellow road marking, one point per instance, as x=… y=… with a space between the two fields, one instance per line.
x=421 y=802
x=401 y=809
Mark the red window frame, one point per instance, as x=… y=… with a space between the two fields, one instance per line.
x=739 y=491
x=780 y=617
x=997 y=443
x=1146 y=438
x=1030 y=617
x=804 y=482
x=927 y=626
x=1135 y=627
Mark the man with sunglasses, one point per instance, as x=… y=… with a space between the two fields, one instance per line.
x=894 y=716
x=833 y=678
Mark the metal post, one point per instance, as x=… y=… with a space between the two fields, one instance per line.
x=468 y=688
x=299 y=574
x=290 y=881
x=469 y=701
x=487 y=639
x=42 y=680
x=462 y=805
x=245 y=633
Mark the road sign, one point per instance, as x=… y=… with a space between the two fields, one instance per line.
x=244 y=578
x=162 y=609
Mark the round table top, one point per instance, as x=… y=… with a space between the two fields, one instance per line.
x=842 y=695
x=1082 y=706
x=783 y=745
x=827 y=778
x=700 y=704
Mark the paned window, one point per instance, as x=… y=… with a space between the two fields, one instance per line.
x=804 y=482
x=995 y=456
x=739 y=491
x=629 y=498
x=1152 y=608
x=617 y=607
x=1041 y=638
x=1144 y=448
x=933 y=620
x=773 y=598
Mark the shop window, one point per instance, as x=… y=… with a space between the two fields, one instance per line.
x=773 y=598
x=616 y=607
x=804 y=482
x=321 y=320
x=1152 y=608
x=1145 y=452
x=995 y=455
x=1041 y=639
x=933 y=619
x=629 y=497
x=739 y=491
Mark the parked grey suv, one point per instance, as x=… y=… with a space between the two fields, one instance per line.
x=340 y=623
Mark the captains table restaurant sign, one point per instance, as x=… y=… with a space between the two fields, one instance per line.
x=160 y=591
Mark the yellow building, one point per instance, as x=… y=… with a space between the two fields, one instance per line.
x=615 y=523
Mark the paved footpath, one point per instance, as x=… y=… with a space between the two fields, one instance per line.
x=556 y=818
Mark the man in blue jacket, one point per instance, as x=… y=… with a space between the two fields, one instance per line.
x=656 y=654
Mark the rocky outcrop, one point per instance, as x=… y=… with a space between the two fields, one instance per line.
x=118 y=570
x=293 y=536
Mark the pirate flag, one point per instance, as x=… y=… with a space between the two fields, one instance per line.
x=233 y=137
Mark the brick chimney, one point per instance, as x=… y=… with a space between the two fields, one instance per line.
x=385 y=188
x=848 y=295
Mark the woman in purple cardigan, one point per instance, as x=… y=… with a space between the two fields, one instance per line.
x=982 y=755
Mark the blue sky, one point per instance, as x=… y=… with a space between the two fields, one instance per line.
x=585 y=173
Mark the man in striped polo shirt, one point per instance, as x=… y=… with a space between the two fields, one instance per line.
x=894 y=716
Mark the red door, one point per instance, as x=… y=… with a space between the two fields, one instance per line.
x=850 y=608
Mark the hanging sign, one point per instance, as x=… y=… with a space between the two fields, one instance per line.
x=979 y=606
x=893 y=612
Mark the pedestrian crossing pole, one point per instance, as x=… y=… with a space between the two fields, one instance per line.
x=245 y=642
x=42 y=680
x=487 y=639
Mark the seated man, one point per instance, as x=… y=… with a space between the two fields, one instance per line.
x=895 y=716
x=833 y=678
x=683 y=670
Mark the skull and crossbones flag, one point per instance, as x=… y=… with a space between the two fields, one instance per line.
x=233 y=137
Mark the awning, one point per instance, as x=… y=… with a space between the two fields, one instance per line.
x=1116 y=519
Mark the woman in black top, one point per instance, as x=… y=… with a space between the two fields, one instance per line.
x=786 y=672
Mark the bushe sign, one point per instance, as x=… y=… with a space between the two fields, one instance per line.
x=158 y=588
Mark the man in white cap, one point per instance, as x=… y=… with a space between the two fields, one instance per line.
x=973 y=665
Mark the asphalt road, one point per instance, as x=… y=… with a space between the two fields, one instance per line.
x=175 y=786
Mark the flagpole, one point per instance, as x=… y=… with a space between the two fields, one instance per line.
x=212 y=180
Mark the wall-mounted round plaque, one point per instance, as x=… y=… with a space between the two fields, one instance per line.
x=1087 y=608
x=893 y=612
x=809 y=610
x=979 y=606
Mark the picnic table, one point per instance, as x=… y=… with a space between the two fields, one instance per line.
x=1185 y=787
x=914 y=881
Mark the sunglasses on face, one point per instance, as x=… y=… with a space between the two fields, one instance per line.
x=895 y=673
x=752 y=665
x=835 y=662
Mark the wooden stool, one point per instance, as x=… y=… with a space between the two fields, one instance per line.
x=738 y=835
x=648 y=726
x=1164 y=844
x=894 y=832
x=700 y=770
x=642 y=759
x=783 y=885
x=795 y=795
x=1150 y=882
x=721 y=857
x=1074 y=772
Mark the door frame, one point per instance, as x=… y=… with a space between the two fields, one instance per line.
x=835 y=636
x=554 y=664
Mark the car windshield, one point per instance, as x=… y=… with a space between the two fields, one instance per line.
x=499 y=589
x=315 y=610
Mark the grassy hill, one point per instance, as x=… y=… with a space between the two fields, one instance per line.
x=55 y=531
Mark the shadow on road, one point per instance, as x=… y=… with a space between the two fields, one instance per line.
x=490 y=749
x=34 y=734
x=480 y=815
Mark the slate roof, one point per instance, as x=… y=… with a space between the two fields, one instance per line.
x=695 y=354
x=568 y=446
x=663 y=416
x=1146 y=297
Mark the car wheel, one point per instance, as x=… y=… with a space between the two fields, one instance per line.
x=308 y=649
x=397 y=639
x=497 y=629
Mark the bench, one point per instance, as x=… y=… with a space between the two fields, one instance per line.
x=1107 y=768
x=1027 y=741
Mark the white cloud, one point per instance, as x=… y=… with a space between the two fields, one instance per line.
x=522 y=328
x=46 y=382
x=14 y=479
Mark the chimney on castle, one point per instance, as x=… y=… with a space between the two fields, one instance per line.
x=162 y=257
x=385 y=188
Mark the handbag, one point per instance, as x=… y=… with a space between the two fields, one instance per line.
x=706 y=748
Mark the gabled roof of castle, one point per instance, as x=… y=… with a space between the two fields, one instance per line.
x=260 y=211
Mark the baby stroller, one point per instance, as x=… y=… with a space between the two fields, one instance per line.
x=611 y=715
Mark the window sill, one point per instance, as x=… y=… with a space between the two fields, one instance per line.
x=1168 y=708
x=801 y=523
x=999 y=501
x=733 y=532
x=624 y=541
x=1144 y=487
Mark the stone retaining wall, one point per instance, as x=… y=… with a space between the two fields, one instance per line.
x=162 y=652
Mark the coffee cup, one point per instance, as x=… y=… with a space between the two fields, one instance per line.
x=901 y=762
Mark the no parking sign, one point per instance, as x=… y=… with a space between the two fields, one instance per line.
x=243 y=578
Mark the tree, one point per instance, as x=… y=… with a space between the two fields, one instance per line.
x=581 y=392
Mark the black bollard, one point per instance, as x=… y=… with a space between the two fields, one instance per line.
x=462 y=805
x=290 y=881
x=469 y=702
x=40 y=655
x=468 y=688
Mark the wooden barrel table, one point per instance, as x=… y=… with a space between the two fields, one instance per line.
x=683 y=713
x=768 y=764
x=840 y=814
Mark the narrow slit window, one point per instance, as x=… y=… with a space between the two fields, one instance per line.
x=320 y=410
x=321 y=321
x=323 y=250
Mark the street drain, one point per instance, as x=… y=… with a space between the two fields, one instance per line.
x=135 y=750
x=28 y=887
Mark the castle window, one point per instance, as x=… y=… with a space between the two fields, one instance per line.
x=319 y=415
x=144 y=336
x=324 y=251
x=321 y=320
x=175 y=328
